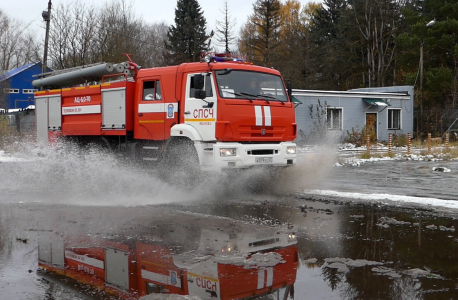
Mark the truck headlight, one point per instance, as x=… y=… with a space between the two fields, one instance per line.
x=291 y=237
x=227 y=152
x=291 y=150
x=228 y=248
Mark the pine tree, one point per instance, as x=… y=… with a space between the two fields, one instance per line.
x=187 y=38
x=332 y=55
x=438 y=93
x=261 y=33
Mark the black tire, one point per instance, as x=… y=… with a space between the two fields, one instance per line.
x=181 y=162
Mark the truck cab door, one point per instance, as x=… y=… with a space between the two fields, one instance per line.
x=153 y=111
x=198 y=113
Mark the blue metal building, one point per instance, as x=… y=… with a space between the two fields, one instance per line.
x=330 y=115
x=18 y=85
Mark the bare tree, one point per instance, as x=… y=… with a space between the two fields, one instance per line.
x=17 y=45
x=71 y=35
x=378 y=25
x=153 y=51
x=224 y=34
x=82 y=35
x=124 y=32
x=4 y=84
x=120 y=31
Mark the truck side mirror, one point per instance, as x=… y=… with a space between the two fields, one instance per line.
x=200 y=94
x=198 y=81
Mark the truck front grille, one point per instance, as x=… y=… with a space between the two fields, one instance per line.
x=262 y=152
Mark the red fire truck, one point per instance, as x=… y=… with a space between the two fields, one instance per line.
x=219 y=113
x=185 y=256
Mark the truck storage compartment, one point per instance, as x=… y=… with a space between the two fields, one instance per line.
x=117 y=105
x=81 y=110
x=96 y=109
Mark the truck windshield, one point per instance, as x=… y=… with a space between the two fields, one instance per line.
x=250 y=85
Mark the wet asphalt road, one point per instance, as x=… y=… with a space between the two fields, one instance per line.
x=347 y=249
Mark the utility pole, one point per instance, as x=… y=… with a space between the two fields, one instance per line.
x=421 y=89
x=47 y=18
x=431 y=23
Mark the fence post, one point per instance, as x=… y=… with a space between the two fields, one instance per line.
x=390 y=141
x=409 y=144
x=447 y=139
x=429 y=143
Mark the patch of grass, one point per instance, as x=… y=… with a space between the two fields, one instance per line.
x=443 y=152
x=359 y=138
x=365 y=155
x=453 y=152
x=400 y=140
x=417 y=143
x=391 y=155
x=368 y=155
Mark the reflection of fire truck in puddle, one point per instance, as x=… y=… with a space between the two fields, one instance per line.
x=225 y=262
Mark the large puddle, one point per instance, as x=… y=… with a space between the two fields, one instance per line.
x=227 y=238
x=356 y=251
x=345 y=251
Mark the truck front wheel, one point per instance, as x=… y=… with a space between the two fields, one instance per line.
x=181 y=162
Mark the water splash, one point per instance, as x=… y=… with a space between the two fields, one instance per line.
x=91 y=176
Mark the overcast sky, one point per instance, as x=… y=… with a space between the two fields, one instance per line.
x=152 y=11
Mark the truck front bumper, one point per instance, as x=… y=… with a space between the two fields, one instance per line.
x=241 y=156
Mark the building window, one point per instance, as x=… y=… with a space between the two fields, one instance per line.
x=11 y=91
x=29 y=91
x=394 y=119
x=334 y=118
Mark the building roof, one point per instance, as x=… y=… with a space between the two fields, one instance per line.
x=352 y=94
x=16 y=71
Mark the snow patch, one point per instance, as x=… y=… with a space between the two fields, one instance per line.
x=310 y=261
x=452 y=204
x=421 y=273
x=385 y=222
x=441 y=169
x=260 y=260
x=343 y=264
x=255 y=261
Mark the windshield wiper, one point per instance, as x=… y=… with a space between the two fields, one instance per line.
x=271 y=97
x=225 y=72
x=241 y=94
x=264 y=98
x=255 y=96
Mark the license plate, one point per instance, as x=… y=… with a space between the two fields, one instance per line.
x=263 y=160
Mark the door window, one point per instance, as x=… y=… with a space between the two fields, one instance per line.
x=207 y=86
x=152 y=90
